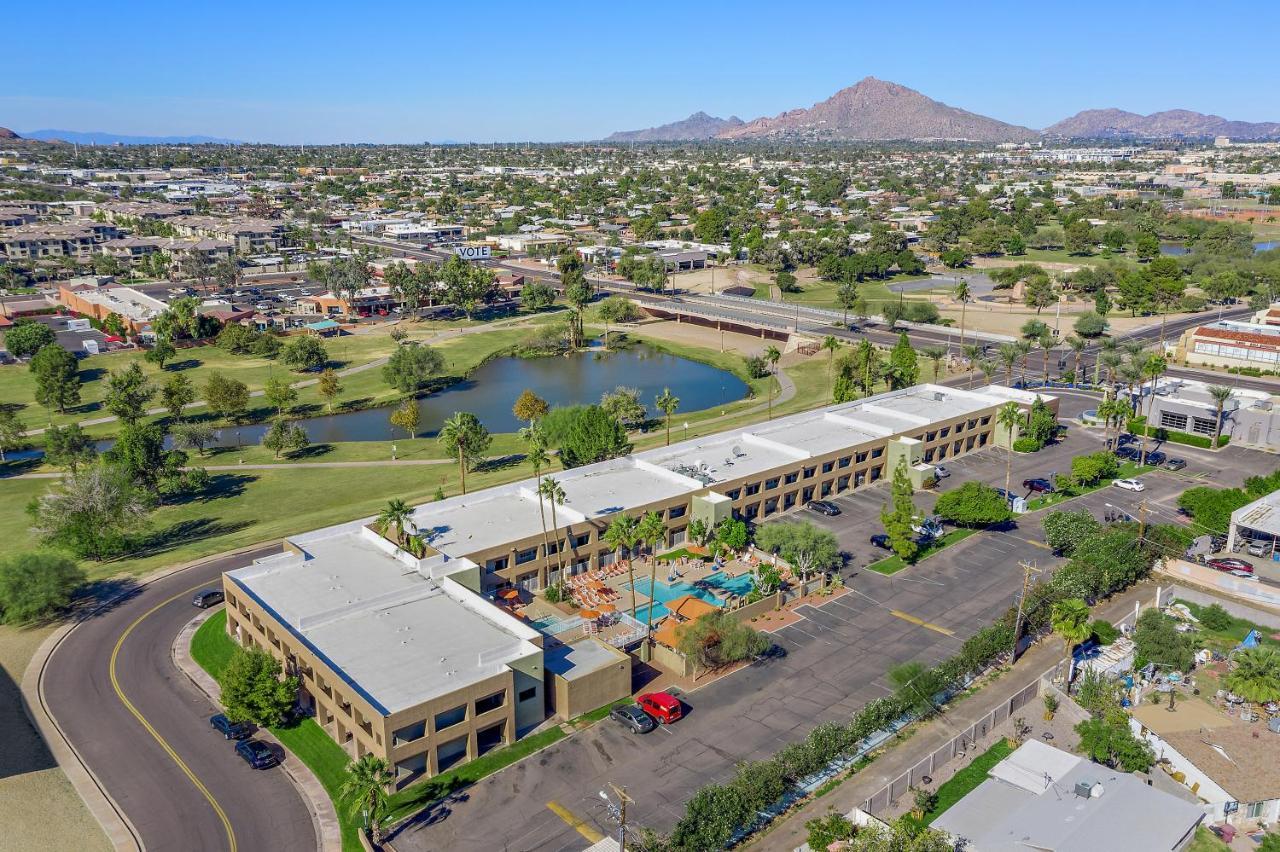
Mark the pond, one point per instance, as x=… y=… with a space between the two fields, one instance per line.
x=1178 y=249
x=490 y=391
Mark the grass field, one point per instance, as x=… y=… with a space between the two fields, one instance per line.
x=964 y=782
x=1206 y=841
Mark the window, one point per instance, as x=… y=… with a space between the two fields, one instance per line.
x=770 y=484
x=946 y=430
x=842 y=483
x=526 y=556
x=1203 y=426
x=1173 y=420
x=877 y=452
x=409 y=733
x=449 y=718
x=582 y=540
x=734 y=494
x=986 y=420
x=753 y=488
x=789 y=500
x=448 y=754
x=1254 y=810
x=876 y=471
x=790 y=478
x=491 y=702
x=809 y=472
x=499 y=564
x=861 y=457
x=845 y=460
x=676 y=512
x=930 y=436
x=828 y=466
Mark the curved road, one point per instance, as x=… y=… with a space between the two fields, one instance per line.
x=140 y=726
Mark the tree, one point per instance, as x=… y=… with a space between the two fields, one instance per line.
x=831 y=344
x=1152 y=369
x=1158 y=641
x=226 y=397
x=35 y=586
x=466 y=286
x=68 y=446
x=304 y=353
x=1107 y=739
x=553 y=493
x=364 y=790
x=253 y=690
x=936 y=355
x=718 y=639
x=848 y=298
x=954 y=258
x=398 y=516
x=128 y=393
x=616 y=309
x=771 y=357
x=411 y=366
x=407 y=417
x=585 y=434
x=1221 y=394
x=537 y=295
x=466 y=437
x=57 y=377
x=285 y=437
x=1069 y=619
x=1078 y=237
x=624 y=405
x=1094 y=467
x=577 y=291
x=667 y=403
x=622 y=534
x=162 y=350
x=1147 y=246
x=897 y=515
x=176 y=394
x=650 y=531
x=11 y=431
x=1038 y=293
x=732 y=535
x=89 y=512
x=824 y=831
x=280 y=394
x=536 y=454
x=903 y=370
x=973 y=504
x=1064 y=530
x=1009 y=417
x=329 y=386
x=805 y=546
x=1077 y=346
x=1255 y=674
x=529 y=407
x=1042 y=423
x=192 y=436
x=28 y=337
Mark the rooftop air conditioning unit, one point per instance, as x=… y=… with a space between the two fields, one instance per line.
x=939 y=396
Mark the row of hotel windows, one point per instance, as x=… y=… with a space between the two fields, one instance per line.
x=1240 y=353
x=446 y=719
x=574 y=542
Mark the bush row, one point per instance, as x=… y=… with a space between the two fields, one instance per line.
x=1136 y=425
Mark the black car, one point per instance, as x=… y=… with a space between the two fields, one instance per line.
x=881 y=540
x=229 y=729
x=1126 y=438
x=1156 y=457
x=1127 y=452
x=206 y=598
x=1038 y=485
x=1175 y=464
x=256 y=753
x=634 y=718
x=825 y=507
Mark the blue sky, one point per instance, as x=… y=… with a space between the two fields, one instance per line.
x=544 y=71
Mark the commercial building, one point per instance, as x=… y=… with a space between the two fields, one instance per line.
x=1249 y=417
x=101 y=297
x=1229 y=343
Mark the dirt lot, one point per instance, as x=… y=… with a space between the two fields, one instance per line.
x=38 y=807
x=697 y=335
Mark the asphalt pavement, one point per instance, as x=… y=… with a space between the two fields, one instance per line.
x=181 y=785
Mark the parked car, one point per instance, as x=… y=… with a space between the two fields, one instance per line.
x=206 y=598
x=1126 y=438
x=256 y=753
x=1243 y=575
x=1131 y=453
x=1231 y=564
x=1175 y=464
x=940 y=471
x=1129 y=484
x=634 y=718
x=825 y=507
x=1258 y=547
x=1039 y=485
x=881 y=540
x=1156 y=457
x=1006 y=495
x=229 y=729
x=662 y=706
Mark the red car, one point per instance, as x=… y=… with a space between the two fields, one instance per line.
x=663 y=706
x=1231 y=565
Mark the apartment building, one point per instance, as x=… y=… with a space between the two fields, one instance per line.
x=37 y=241
x=248 y=236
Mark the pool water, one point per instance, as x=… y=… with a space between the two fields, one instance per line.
x=662 y=592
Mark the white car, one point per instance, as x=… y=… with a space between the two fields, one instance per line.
x=1243 y=575
x=1129 y=484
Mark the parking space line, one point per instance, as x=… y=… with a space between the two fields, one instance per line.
x=905 y=616
x=576 y=823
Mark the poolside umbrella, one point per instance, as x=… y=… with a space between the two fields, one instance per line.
x=607 y=607
x=509 y=594
x=589 y=614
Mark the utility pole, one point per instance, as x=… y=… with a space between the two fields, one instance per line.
x=619 y=811
x=1028 y=570
x=1142 y=521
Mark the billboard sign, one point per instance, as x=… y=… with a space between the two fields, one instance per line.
x=472 y=252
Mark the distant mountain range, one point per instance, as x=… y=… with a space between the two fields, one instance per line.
x=697 y=126
x=95 y=137
x=1116 y=123
x=877 y=110
x=6 y=133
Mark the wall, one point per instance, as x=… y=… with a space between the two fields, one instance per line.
x=672 y=661
x=1252 y=591
x=596 y=689
x=766 y=604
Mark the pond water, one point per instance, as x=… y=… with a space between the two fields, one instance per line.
x=1178 y=249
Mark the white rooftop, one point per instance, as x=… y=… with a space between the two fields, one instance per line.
x=1262 y=515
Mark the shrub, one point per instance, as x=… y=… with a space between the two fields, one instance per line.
x=1214 y=617
x=1027 y=445
x=34 y=586
x=974 y=504
x=1064 y=530
x=757 y=367
x=1095 y=467
x=1103 y=631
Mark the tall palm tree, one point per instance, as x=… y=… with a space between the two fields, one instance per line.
x=1070 y=620
x=972 y=353
x=551 y=491
x=989 y=368
x=365 y=792
x=396 y=516
x=1256 y=674
x=1111 y=361
x=1220 y=394
x=651 y=530
x=621 y=534
x=1153 y=370
x=1045 y=344
x=772 y=356
x=1112 y=410
x=537 y=456
x=1009 y=416
x=831 y=343
x=869 y=356
x=961 y=295
x=935 y=354
x=1024 y=352
x=667 y=404
x=1008 y=353
x=465 y=435
x=1077 y=346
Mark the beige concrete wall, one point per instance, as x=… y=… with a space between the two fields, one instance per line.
x=603 y=686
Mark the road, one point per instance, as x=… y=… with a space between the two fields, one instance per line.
x=141 y=728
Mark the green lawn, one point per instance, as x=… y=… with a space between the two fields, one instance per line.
x=1206 y=841
x=1128 y=469
x=891 y=565
x=964 y=781
x=1232 y=635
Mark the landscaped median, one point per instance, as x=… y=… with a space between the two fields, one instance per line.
x=1126 y=470
x=891 y=565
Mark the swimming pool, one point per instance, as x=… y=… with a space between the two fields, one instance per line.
x=664 y=592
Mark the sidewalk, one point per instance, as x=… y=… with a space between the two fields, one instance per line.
x=789 y=832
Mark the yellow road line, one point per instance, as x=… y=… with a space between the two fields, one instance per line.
x=115 y=684
x=925 y=624
x=577 y=824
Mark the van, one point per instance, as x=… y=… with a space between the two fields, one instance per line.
x=663 y=706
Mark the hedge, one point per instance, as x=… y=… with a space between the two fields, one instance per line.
x=1174 y=437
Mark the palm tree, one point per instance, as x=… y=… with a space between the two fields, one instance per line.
x=1070 y=620
x=972 y=353
x=621 y=534
x=465 y=435
x=1153 y=370
x=397 y=515
x=831 y=343
x=772 y=356
x=869 y=356
x=1045 y=343
x=651 y=530
x=1009 y=416
x=1077 y=346
x=551 y=491
x=1024 y=352
x=1220 y=394
x=1008 y=353
x=537 y=456
x=1112 y=410
x=961 y=295
x=667 y=404
x=1112 y=361
x=365 y=792
x=989 y=368
x=1256 y=675
x=935 y=354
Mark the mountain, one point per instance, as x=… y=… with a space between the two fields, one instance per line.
x=6 y=133
x=697 y=126
x=876 y=109
x=94 y=137
x=1116 y=123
